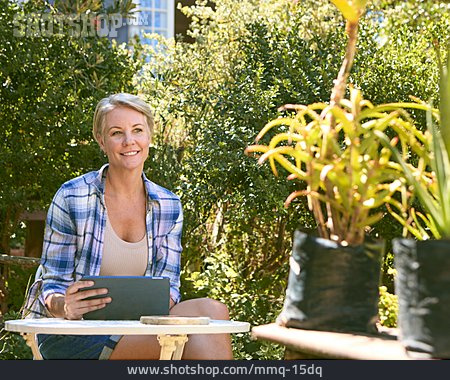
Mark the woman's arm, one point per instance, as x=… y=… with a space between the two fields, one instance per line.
x=60 y=247
x=64 y=298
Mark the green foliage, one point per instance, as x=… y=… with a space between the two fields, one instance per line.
x=16 y=279
x=395 y=57
x=12 y=345
x=388 y=308
x=249 y=297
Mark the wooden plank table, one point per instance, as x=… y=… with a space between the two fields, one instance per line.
x=311 y=344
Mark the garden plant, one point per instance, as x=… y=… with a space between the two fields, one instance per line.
x=337 y=150
x=422 y=262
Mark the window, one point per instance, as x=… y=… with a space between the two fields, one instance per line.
x=153 y=16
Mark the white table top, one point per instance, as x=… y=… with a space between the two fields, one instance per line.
x=63 y=326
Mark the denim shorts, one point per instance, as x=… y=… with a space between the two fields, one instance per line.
x=94 y=347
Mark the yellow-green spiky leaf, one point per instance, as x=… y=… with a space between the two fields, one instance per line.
x=350 y=9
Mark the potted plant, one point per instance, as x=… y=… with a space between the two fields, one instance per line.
x=423 y=264
x=346 y=174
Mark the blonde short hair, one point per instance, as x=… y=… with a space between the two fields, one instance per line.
x=119 y=100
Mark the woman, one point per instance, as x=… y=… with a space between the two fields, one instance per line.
x=116 y=222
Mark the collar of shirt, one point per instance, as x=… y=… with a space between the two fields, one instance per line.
x=97 y=179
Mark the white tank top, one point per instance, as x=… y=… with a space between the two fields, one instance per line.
x=121 y=258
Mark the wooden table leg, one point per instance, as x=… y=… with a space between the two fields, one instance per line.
x=172 y=346
x=180 y=342
x=31 y=341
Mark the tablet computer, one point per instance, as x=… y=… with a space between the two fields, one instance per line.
x=132 y=297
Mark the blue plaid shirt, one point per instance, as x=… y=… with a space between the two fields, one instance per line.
x=73 y=241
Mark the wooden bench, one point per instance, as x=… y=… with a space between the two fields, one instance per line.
x=310 y=344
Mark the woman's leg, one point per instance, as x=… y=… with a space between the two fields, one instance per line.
x=205 y=346
x=136 y=347
x=198 y=347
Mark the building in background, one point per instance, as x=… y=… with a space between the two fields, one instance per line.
x=156 y=16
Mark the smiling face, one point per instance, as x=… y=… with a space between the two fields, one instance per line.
x=126 y=138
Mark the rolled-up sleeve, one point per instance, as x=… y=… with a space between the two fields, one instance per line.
x=58 y=254
x=168 y=263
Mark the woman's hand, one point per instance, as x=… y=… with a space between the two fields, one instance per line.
x=76 y=304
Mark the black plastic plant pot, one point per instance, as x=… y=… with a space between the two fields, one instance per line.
x=332 y=287
x=422 y=285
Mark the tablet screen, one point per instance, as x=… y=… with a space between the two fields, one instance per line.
x=132 y=297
